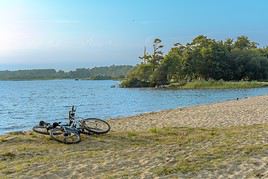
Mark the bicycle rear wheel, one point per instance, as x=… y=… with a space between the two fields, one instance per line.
x=94 y=126
x=41 y=129
x=65 y=135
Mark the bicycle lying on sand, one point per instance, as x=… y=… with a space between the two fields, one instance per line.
x=70 y=133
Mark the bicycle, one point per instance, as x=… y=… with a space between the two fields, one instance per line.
x=70 y=133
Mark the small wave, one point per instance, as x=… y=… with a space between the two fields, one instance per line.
x=15 y=127
x=17 y=118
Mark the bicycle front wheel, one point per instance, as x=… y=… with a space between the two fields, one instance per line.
x=94 y=126
x=65 y=135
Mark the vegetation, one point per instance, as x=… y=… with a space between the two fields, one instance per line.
x=212 y=84
x=202 y=59
x=97 y=73
x=185 y=152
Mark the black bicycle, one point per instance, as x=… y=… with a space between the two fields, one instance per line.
x=70 y=133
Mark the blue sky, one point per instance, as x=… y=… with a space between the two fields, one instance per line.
x=67 y=34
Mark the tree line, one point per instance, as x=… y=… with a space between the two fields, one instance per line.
x=202 y=59
x=96 y=73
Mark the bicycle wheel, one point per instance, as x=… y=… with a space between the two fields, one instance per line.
x=41 y=130
x=94 y=126
x=65 y=135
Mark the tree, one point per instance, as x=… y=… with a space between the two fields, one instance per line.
x=243 y=42
x=157 y=54
x=146 y=58
x=174 y=65
x=229 y=44
x=139 y=76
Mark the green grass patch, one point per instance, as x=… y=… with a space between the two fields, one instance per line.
x=131 y=134
x=201 y=84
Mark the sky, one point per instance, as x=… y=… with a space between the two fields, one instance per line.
x=69 y=34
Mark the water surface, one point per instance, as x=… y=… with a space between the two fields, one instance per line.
x=24 y=103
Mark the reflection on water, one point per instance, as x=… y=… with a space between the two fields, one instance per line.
x=24 y=103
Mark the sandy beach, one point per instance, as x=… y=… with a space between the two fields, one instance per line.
x=227 y=139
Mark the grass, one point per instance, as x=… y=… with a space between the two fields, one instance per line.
x=201 y=84
x=160 y=152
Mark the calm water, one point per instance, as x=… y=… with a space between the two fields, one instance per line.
x=24 y=103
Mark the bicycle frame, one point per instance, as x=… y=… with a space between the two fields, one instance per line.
x=73 y=123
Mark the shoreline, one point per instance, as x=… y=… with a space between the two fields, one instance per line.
x=241 y=112
x=157 y=119
x=203 y=84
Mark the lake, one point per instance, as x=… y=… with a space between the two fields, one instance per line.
x=24 y=103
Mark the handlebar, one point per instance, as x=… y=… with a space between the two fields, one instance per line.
x=73 y=109
x=72 y=113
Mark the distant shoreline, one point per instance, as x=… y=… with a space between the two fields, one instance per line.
x=96 y=73
x=213 y=84
x=73 y=79
x=177 y=86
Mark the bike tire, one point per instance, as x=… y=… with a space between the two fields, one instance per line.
x=41 y=130
x=94 y=126
x=65 y=135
